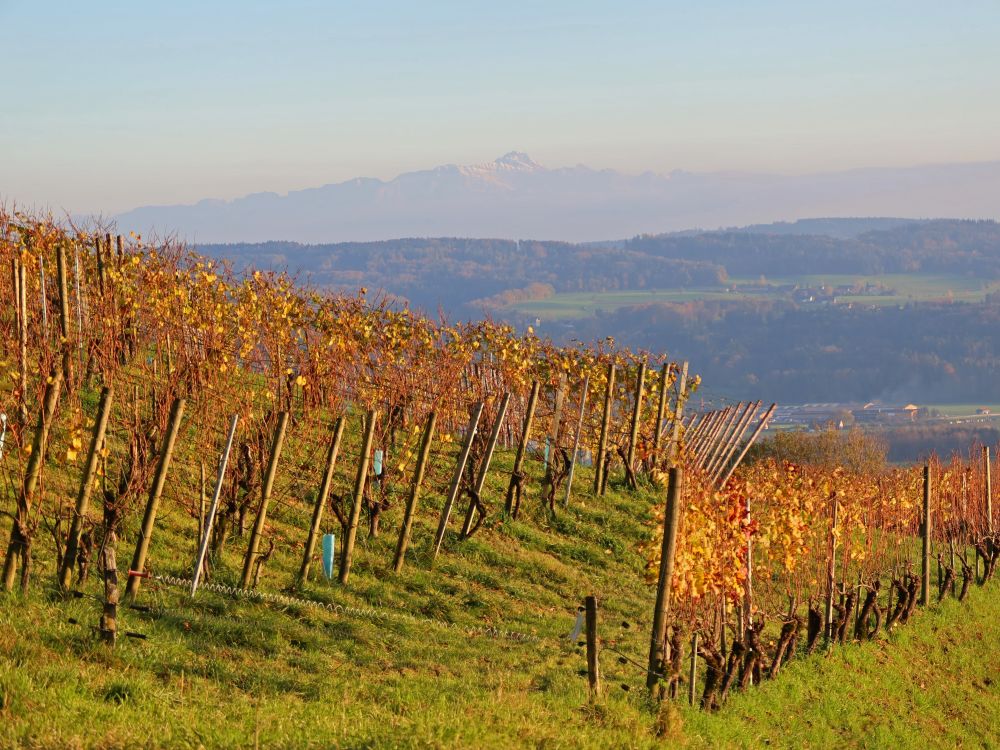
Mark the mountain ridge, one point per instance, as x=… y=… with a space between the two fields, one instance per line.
x=514 y=197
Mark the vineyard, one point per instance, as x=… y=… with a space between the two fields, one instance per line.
x=413 y=515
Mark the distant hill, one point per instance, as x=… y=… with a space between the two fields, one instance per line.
x=779 y=349
x=841 y=228
x=514 y=197
x=466 y=276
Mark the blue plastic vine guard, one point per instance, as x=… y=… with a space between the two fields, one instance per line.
x=329 y=545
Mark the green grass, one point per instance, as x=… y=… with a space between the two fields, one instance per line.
x=220 y=672
x=907 y=288
x=963 y=410
x=223 y=672
x=586 y=304
x=933 y=683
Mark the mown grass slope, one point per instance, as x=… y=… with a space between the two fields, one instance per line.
x=222 y=671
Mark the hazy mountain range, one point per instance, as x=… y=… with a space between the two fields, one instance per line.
x=515 y=197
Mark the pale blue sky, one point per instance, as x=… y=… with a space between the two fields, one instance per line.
x=109 y=105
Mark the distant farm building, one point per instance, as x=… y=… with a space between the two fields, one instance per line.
x=844 y=415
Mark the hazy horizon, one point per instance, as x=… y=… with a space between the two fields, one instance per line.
x=135 y=105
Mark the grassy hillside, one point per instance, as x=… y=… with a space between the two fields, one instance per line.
x=930 y=684
x=221 y=671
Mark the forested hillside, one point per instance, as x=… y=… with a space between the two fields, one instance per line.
x=797 y=354
x=459 y=272
x=780 y=338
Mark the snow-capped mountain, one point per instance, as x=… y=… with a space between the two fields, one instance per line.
x=515 y=197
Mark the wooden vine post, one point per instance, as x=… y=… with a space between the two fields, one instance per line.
x=925 y=532
x=86 y=488
x=411 y=503
x=265 y=498
x=321 y=498
x=633 y=439
x=741 y=427
x=749 y=444
x=22 y=341
x=694 y=429
x=153 y=503
x=602 y=443
x=693 y=675
x=456 y=480
x=668 y=549
x=19 y=546
x=661 y=410
x=727 y=434
x=108 y=625
x=66 y=348
x=516 y=485
x=831 y=570
x=100 y=264
x=709 y=444
x=593 y=657
x=705 y=434
x=675 y=435
x=360 y=481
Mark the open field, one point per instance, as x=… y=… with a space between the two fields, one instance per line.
x=585 y=304
x=906 y=287
x=964 y=410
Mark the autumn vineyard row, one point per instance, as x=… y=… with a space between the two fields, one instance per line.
x=135 y=374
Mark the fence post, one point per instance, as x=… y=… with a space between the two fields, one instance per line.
x=456 y=480
x=671 y=522
x=86 y=488
x=661 y=410
x=100 y=264
x=411 y=505
x=593 y=659
x=22 y=335
x=831 y=571
x=752 y=408
x=516 y=478
x=602 y=443
x=65 y=346
x=108 y=623
x=925 y=562
x=675 y=433
x=705 y=433
x=265 y=499
x=640 y=388
x=749 y=444
x=359 y=495
x=39 y=446
x=728 y=435
x=153 y=503
x=321 y=498
x=693 y=675
x=709 y=445
x=199 y=564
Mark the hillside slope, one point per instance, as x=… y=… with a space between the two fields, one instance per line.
x=226 y=671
